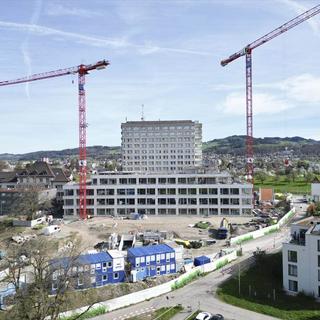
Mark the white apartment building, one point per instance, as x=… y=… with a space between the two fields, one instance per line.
x=120 y=194
x=301 y=258
x=161 y=146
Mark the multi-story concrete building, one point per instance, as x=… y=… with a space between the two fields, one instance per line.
x=301 y=258
x=120 y=193
x=161 y=146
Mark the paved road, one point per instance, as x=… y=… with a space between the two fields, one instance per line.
x=199 y=294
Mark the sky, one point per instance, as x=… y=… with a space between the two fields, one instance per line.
x=164 y=54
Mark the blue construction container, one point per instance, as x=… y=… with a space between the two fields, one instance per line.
x=199 y=261
x=151 y=261
x=89 y=270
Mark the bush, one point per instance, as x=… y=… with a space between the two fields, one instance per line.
x=87 y=315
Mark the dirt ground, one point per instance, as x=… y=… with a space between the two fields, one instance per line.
x=99 y=228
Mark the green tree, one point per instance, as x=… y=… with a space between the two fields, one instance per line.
x=3 y=165
x=261 y=176
x=309 y=176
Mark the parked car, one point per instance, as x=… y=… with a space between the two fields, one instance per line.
x=217 y=317
x=204 y=316
x=208 y=316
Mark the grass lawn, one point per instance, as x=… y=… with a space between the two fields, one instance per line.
x=257 y=286
x=299 y=186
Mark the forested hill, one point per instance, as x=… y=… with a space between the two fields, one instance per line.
x=233 y=145
x=236 y=145
x=97 y=152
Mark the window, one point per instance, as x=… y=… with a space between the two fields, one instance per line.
x=167 y=257
x=162 y=256
x=293 y=285
x=292 y=270
x=292 y=256
x=93 y=267
x=116 y=275
x=142 y=259
x=104 y=277
x=173 y=266
x=93 y=280
x=54 y=285
x=109 y=264
x=80 y=281
x=318 y=261
x=172 y=255
x=152 y=258
x=163 y=268
x=318 y=245
x=158 y=258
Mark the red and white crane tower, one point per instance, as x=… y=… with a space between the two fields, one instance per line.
x=247 y=51
x=81 y=70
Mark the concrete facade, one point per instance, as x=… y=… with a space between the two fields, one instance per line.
x=301 y=258
x=161 y=146
x=315 y=191
x=121 y=194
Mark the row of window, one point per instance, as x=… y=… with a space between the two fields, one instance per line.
x=84 y=268
x=151 y=139
x=158 y=257
x=160 y=180
x=162 y=201
x=161 y=211
x=165 y=157
x=161 y=191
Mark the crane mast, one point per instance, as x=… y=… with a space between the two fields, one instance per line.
x=247 y=52
x=81 y=70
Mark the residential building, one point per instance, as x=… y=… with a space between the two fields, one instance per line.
x=301 y=258
x=151 y=261
x=161 y=146
x=89 y=270
x=40 y=174
x=315 y=190
x=194 y=193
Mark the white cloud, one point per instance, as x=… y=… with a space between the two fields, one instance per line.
x=302 y=88
x=57 y=9
x=281 y=95
x=263 y=103
x=299 y=8
x=25 y=44
x=116 y=43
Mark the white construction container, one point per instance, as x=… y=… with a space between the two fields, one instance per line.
x=51 y=230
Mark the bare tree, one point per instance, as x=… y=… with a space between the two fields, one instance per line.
x=28 y=203
x=43 y=266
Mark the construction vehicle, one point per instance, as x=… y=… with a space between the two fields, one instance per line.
x=185 y=243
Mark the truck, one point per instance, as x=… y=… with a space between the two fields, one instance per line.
x=222 y=233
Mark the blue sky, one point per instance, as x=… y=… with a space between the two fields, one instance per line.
x=164 y=54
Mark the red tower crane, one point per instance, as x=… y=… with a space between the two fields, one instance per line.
x=247 y=51
x=81 y=70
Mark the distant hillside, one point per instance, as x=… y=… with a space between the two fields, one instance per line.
x=236 y=145
x=233 y=145
x=97 y=152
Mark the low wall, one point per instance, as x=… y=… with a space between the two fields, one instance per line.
x=28 y=223
x=140 y=296
x=264 y=231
